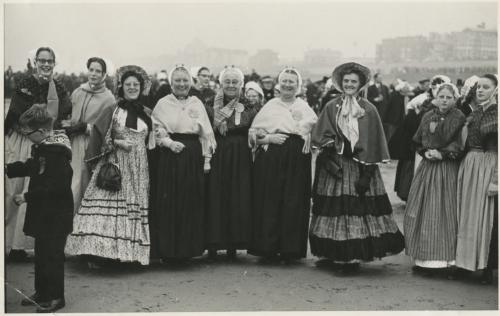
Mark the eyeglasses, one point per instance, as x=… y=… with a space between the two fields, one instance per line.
x=45 y=61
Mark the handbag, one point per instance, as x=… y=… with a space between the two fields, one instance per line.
x=109 y=177
x=330 y=161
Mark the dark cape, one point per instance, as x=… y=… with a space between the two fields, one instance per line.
x=371 y=147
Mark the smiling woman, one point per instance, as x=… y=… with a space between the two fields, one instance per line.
x=229 y=190
x=119 y=135
x=351 y=215
x=280 y=137
x=39 y=88
x=185 y=143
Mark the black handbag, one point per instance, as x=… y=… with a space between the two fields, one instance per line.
x=109 y=177
x=331 y=162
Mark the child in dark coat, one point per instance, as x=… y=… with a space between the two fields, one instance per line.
x=49 y=211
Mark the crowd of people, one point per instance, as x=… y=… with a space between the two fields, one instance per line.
x=167 y=173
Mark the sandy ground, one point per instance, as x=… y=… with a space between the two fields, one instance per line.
x=246 y=285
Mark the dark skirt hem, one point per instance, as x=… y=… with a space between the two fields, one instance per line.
x=332 y=206
x=367 y=249
x=226 y=246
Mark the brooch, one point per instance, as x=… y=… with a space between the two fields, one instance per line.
x=193 y=114
x=297 y=115
x=239 y=108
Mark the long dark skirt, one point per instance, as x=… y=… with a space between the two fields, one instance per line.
x=178 y=201
x=346 y=227
x=404 y=177
x=229 y=210
x=493 y=254
x=282 y=191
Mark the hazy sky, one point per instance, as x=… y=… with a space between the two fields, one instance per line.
x=124 y=32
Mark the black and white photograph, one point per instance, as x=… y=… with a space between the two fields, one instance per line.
x=250 y=156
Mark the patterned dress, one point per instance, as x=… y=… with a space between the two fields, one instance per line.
x=115 y=224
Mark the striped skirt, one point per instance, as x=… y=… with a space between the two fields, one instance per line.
x=430 y=223
x=475 y=209
x=346 y=227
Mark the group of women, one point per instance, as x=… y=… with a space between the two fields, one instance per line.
x=236 y=174
x=451 y=212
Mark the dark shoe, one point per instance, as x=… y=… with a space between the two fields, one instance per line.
x=271 y=259
x=52 y=306
x=487 y=277
x=231 y=254
x=350 y=268
x=212 y=255
x=16 y=255
x=32 y=300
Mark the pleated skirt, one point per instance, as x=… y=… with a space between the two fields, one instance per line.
x=430 y=222
x=228 y=220
x=177 y=218
x=281 y=196
x=475 y=209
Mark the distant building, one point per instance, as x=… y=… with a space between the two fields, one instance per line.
x=321 y=57
x=265 y=61
x=477 y=43
x=470 y=44
x=402 y=49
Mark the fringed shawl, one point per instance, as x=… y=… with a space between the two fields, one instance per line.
x=189 y=117
x=279 y=117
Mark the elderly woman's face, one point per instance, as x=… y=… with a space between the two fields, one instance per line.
x=485 y=89
x=95 y=73
x=253 y=96
x=445 y=99
x=131 y=88
x=350 y=84
x=231 y=84
x=289 y=84
x=45 y=63
x=181 y=83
